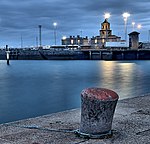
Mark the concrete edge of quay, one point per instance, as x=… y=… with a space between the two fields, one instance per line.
x=131 y=125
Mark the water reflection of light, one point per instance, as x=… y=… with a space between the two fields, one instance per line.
x=117 y=75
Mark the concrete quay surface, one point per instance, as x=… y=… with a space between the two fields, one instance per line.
x=131 y=125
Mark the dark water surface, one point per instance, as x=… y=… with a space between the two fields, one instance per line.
x=33 y=88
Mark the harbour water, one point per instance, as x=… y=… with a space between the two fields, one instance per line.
x=34 y=88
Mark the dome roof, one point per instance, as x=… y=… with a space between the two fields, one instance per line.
x=105 y=21
x=134 y=33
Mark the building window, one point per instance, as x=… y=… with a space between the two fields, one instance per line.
x=103 y=40
x=95 y=41
x=78 y=41
x=72 y=41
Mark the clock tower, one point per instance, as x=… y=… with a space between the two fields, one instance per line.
x=105 y=31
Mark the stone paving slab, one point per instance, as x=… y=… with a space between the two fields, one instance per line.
x=131 y=125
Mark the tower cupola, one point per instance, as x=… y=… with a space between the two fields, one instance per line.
x=105 y=29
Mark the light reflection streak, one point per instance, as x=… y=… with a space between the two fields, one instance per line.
x=117 y=76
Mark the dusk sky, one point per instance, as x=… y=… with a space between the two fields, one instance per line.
x=19 y=17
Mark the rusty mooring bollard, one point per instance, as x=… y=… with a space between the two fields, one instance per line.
x=97 y=110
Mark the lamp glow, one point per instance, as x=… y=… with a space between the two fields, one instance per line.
x=55 y=24
x=126 y=15
x=107 y=15
x=64 y=37
x=133 y=23
x=139 y=26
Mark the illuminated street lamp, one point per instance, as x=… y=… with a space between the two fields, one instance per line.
x=133 y=24
x=139 y=26
x=107 y=15
x=64 y=42
x=125 y=16
x=64 y=37
x=55 y=25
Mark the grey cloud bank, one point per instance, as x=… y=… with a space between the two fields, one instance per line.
x=23 y=17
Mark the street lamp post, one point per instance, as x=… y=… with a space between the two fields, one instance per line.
x=55 y=25
x=133 y=24
x=125 y=16
x=40 y=36
x=139 y=26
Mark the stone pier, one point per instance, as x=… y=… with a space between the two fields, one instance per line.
x=131 y=125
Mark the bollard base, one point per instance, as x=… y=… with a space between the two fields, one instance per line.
x=94 y=136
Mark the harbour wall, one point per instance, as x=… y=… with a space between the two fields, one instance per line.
x=118 y=54
x=91 y=54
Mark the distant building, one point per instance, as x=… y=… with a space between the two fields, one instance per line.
x=145 y=45
x=106 y=33
x=105 y=36
x=75 y=40
x=134 y=40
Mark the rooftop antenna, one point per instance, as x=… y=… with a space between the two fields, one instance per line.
x=21 y=41
x=81 y=33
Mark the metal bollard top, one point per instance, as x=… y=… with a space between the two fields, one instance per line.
x=100 y=94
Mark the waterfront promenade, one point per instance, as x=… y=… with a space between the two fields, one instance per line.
x=131 y=125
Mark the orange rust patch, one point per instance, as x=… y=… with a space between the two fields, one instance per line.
x=100 y=93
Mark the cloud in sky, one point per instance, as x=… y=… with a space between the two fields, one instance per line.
x=23 y=17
